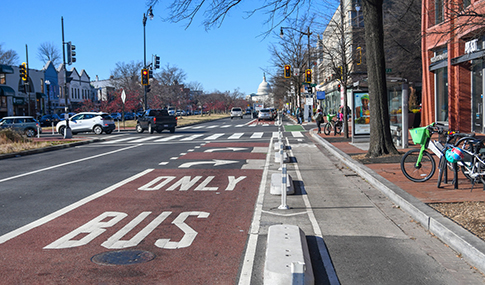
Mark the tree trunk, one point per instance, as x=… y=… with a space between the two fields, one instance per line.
x=380 y=133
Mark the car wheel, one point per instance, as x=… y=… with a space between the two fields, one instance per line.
x=172 y=130
x=97 y=130
x=231 y=118
x=139 y=129
x=62 y=130
x=150 y=129
x=159 y=131
x=30 y=132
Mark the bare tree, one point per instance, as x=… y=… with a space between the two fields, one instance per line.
x=127 y=76
x=49 y=52
x=8 y=57
x=278 y=11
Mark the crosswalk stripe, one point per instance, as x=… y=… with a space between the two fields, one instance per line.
x=297 y=134
x=214 y=136
x=192 y=137
x=275 y=134
x=143 y=139
x=169 y=138
x=118 y=140
x=226 y=126
x=212 y=127
x=257 y=135
x=236 y=136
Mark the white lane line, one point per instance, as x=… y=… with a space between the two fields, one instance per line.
x=226 y=126
x=327 y=261
x=248 y=261
x=235 y=136
x=257 y=135
x=67 y=163
x=212 y=127
x=50 y=217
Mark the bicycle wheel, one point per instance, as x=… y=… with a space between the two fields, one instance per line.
x=420 y=173
x=338 y=129
x=327 y=128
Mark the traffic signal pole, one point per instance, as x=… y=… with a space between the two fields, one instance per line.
x=67 y=132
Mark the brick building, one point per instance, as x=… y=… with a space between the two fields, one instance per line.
x=453 y=47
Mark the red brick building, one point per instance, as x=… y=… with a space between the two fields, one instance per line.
x=453 y=52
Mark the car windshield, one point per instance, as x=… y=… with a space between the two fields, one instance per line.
x=236 y=109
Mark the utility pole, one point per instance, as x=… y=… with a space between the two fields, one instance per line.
x=343 y=76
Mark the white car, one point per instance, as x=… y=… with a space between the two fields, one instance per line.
x=236 y=112
x=88 y=122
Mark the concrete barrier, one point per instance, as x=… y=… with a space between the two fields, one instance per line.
x=276 y=184
x=287 y=257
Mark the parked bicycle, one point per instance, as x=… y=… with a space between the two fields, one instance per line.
x=418 y=165
x=336 y=125
x=470 y=154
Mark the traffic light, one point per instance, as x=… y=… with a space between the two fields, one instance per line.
x=145 y=76
x=308 y=76
x=157 y=62
x=148 y=88
x=70 y=53
x=287 y=73
x=150 y=73
x=23 y=71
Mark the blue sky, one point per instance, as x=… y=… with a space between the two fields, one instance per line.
x=106 y=32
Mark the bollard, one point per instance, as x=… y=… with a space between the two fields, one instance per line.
x=284 y=188
x=38 y=131
x=52 y=124
x=118 y=126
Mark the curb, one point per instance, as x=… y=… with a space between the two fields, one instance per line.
x=468 y=245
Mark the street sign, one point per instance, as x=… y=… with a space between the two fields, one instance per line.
x=123 y=96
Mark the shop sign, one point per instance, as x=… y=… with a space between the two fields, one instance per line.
x=18 y=101
x=471 y=46
x=439 y=57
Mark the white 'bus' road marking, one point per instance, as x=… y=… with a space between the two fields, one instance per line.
x=48 y=218
x=66 y=163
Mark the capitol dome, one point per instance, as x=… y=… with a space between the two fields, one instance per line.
x=264 y=88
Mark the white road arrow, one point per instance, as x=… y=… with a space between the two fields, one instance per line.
x=226 y=148
x=216 y=162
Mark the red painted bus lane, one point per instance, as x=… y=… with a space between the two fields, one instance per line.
x=170 y=226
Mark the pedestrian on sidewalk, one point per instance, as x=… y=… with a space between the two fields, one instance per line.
x=299 y=115
x=318 y=119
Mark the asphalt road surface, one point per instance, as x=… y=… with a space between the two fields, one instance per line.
x=193 y=207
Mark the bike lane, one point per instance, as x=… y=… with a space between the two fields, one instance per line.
x=164 y=226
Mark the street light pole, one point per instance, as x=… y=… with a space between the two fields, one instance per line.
x=308 y=34
x=47 y=84
x=150 y=15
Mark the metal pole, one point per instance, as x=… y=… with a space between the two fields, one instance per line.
x=145 y=56
x=67 y=133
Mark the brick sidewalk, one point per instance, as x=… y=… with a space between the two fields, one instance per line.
x=427 y=192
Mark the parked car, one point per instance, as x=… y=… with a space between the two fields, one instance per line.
x=180 y=113
x=23 y=124
x=88 y=122
x=116 y=116
x=264 y=114
x=236 y=112
x=48 y=120
x=129 y=116
x=63 y=115
x=196 y=112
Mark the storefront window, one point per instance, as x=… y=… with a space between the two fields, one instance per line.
x=477 y=95
x=441 y=89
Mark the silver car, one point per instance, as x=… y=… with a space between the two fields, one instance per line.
x=24 y=124
x=236 y=112
x=265 y=114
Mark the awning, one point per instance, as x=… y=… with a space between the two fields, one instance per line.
x=468 y=57
x=39 y=95
x=437 y=65
x=6 y=91
x=6 y=69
